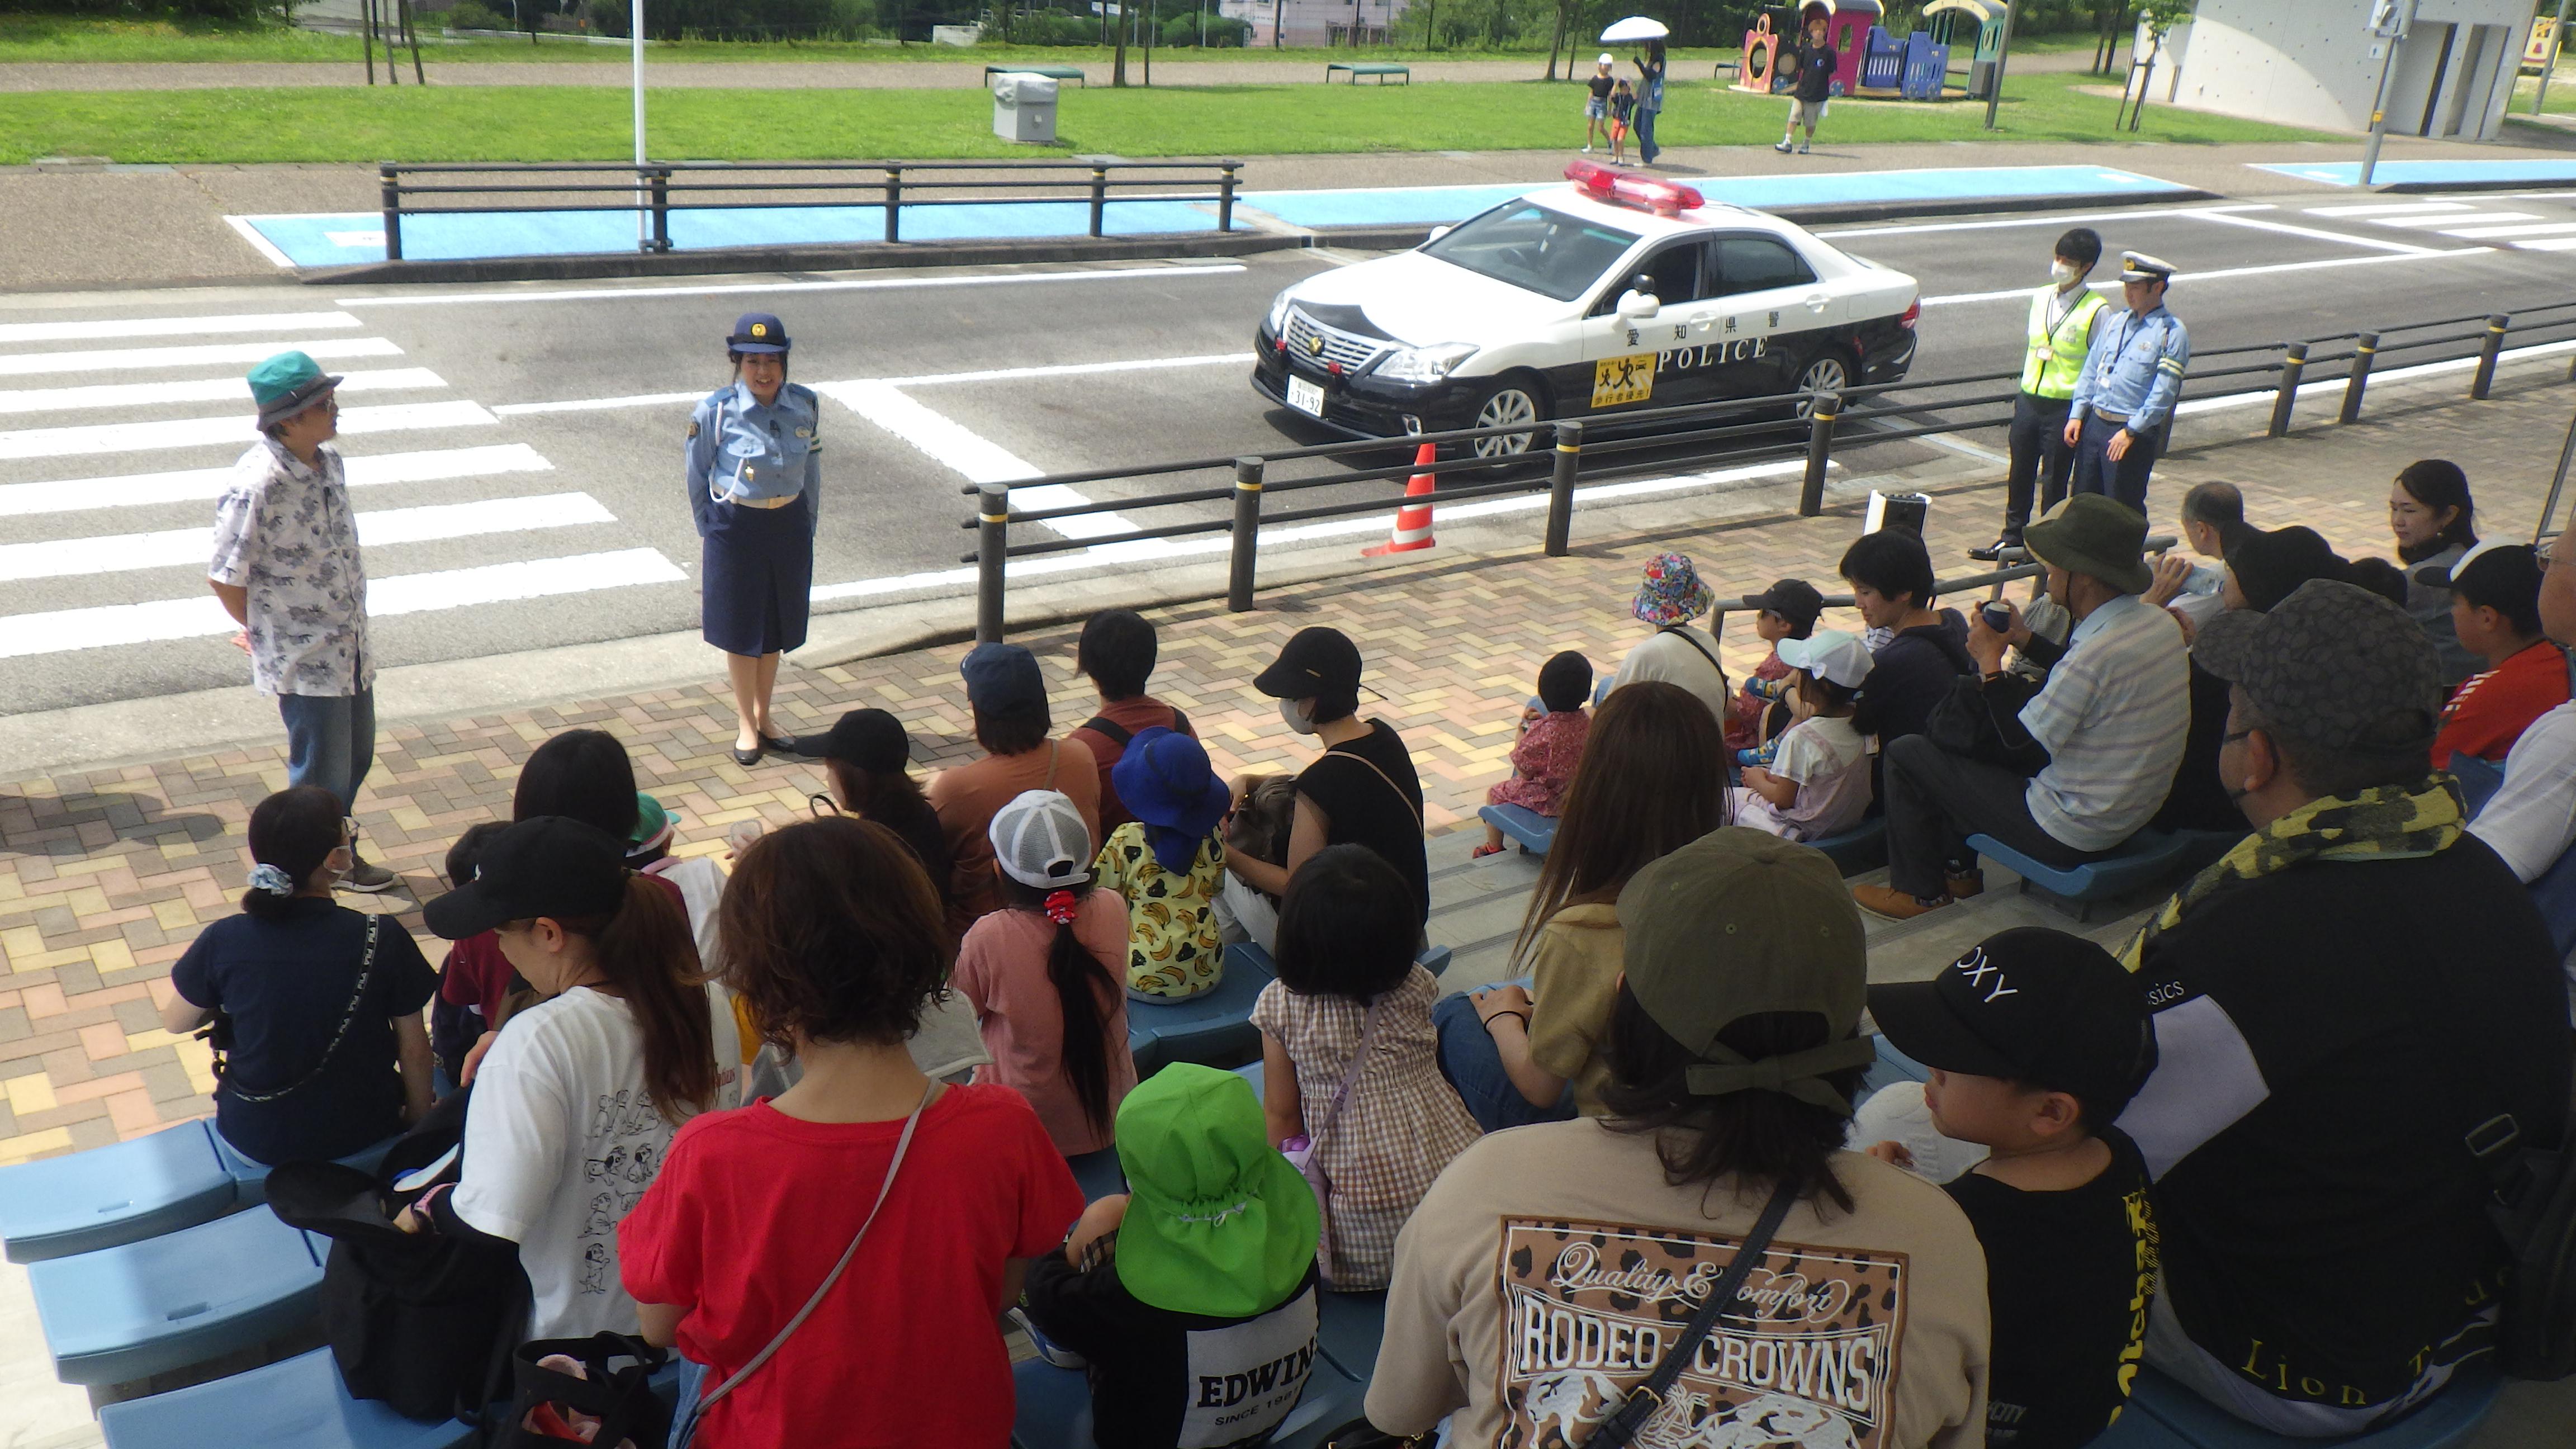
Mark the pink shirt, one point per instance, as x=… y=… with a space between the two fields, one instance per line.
x=1002 y=968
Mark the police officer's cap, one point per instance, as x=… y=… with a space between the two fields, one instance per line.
x=2139 y=267
x=758 y=332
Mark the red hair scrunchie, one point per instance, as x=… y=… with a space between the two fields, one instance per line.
x=1060 y=906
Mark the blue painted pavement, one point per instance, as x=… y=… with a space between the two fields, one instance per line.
x=1433 y=205
x=2430 y=173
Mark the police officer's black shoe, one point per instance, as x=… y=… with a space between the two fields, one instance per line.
x=1994 y=550
x=747 y=758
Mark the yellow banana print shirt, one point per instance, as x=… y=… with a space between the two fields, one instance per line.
x=1172 y=946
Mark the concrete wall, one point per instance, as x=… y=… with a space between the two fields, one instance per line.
x=1314 y=22
x=2308 y=64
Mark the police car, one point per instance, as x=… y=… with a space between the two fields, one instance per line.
x=1616 y=294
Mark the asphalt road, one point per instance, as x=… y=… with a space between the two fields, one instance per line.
x=520 y=499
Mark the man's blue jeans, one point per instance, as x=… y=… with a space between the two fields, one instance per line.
x=330 y=741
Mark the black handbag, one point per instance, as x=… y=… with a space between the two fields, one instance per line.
x=422 y=1322
x=1980 y=719
x=615 y=1388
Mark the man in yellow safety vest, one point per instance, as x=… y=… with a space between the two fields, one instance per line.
x=2060 y=334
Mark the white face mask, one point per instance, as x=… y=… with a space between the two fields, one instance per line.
x=2061 y=273
x=1293 y=714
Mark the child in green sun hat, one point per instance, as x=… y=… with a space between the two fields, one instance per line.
x=1191 y=1298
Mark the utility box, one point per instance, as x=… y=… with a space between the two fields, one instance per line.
x=1024 y=107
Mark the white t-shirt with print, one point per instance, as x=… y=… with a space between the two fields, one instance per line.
x=560 y=1143
x=1829 y=762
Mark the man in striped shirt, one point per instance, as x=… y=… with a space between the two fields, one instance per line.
x=2091 y=754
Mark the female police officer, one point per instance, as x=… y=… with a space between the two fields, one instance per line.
x=754 y=478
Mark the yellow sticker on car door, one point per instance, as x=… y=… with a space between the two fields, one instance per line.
x=1619 y=381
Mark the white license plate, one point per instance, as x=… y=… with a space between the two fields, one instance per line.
x=1306 y=397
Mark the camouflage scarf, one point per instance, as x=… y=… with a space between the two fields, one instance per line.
x=2386 y=822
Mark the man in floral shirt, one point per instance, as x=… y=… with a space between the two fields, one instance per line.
x=286 y=567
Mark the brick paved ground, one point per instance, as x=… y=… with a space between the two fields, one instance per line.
x=106 y=876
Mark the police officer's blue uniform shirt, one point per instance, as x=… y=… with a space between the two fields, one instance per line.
x=741 y=449
x=2135 y=367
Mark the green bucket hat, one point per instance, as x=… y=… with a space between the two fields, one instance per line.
x=2098 y=535
x=1217 y=1221
x=287 y=384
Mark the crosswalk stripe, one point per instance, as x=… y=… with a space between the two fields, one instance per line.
x=2457 y=218
x=167 y=548
x=66 y=630
x=201 y=389
x=2386 y=208
x=2550 y=244
x=108 y=438
x=2515 y=229
x=193 y=485
x=172 y=326
x=115 y=359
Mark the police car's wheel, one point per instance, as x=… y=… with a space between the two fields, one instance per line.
x=1825 y=374
x=1515 y=400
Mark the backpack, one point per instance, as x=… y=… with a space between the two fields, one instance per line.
x=1118 y=734
x=2534 y=1211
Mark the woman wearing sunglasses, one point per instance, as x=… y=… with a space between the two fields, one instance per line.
x=316 y=1007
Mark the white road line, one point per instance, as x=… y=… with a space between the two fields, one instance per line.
x=867 y=284
x=194 y=390
x=320 y=349
x=258 y=243
x=2335 y=386
x=112 y=438
x=944 y=440
x=2022 y=294
x=2052 y=219
x=172 y=326
x=997 y=374
x=65 y=630
x=2319 y=234
x=2517 y=229
x=166 y=548
x=2545 y=244
x=2435 y=223
x=196 y=485
x=2390 y=208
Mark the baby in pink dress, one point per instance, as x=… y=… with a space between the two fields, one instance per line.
x=1550 y=746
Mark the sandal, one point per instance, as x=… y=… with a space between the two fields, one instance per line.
x=1481 y=851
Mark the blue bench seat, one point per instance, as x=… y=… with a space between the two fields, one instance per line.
x=1214 y=1028
x=250 y=1179
x=108 y=1196
x=1524 y=827
x=2150 y=857
x=126 y=1313
x=1861 y=848
x=298 y=1403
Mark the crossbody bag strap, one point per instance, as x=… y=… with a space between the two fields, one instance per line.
x=357 y=998
x=1406 y=800
x=1645 y=1399
x=1682 y=631
x=902 y=1146
x=1351 y=1078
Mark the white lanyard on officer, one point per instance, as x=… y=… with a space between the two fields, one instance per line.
x=743 y=472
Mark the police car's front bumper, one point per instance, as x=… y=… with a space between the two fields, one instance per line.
x=1364 y=406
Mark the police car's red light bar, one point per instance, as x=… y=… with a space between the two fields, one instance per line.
x=1664 y=198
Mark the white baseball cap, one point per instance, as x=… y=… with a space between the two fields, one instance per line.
x=1605 y=58
x=1835 y=655
x=1040 y=841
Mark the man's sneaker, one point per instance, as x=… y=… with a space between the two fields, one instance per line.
x=1048 y=1349
x=1587 y=150
x=367 y=876
x=1895 y=905
x=1805 y=146
x=1783 y=147
x=1994 y=550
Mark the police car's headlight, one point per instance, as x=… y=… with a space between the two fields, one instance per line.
x=1425 y=364
x=1279 y=314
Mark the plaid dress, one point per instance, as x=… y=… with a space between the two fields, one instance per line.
x=1402 y=1124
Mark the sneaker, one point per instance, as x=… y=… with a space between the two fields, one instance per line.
x=1805 y=146
x=1892 y=904
x=1783 y=147
x=1047 y=1348
x=1587 y=150
x=367 y=876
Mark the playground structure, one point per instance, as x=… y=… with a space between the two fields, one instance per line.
x=1876 y=65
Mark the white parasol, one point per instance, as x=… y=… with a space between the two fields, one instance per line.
x=1635 y=27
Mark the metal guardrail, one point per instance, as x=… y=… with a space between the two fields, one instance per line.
x=2283 y=370
x=659 y=188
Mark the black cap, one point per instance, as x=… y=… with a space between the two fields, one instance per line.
x=2269 y=567
x=1003 y=678
x=871 y=739
x=2029 y=1005
x=550 y=865
x=758 y=332
x=1316 y=663
x=1795 y=600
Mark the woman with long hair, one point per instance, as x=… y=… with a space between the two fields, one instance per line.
x=754 y=460
x=833 y=935
x=575 y=1103
x=1558 y=1265
x=863 y=755
x=2435 y=522
x=319 y=1005
x=1046 y=974
x=1651 y=781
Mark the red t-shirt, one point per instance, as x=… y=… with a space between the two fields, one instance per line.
x=753 y=1207
x=479 y=976
x=2491 y=710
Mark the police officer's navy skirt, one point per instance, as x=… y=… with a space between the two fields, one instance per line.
x=759 y=577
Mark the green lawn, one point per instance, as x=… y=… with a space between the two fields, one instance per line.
x=566 y=123
x=2562 y=94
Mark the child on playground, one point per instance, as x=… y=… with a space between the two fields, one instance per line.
x=1817 y=785
x=1788 y=610
x=2036 y=1039
x=1596 y=106
x=1550 y=746
x=1046 y=975
x=1169 y=864
x=1815 y=86
x=1623 y=104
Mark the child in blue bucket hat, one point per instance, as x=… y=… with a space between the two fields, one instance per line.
x=1169 y=862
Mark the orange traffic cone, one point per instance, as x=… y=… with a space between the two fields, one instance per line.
x=1413 y=521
